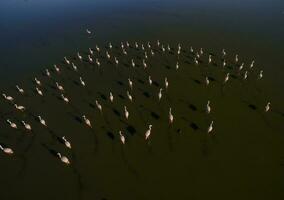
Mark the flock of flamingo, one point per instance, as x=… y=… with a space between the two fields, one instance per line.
x=147 y=50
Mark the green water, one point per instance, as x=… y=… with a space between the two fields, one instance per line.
x=242 y=158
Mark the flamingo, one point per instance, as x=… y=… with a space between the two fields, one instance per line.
x=64 y=98
x=145 y=55
x=152 y=52
x=37 y=81
x=98 y=62
x=210 y=128
x=132 y=63
x=21 y=108
x=224 y=52
x=57 y=69
x=191 y=49
x=88 y=31
x=245 y=75
x=20 y=89
x=122 y=138
x=144 y=64
x=160 y=94
x=237 y=58
x=136 y=45
x=107 y=55
x=59 y=87
x=129 y=96
x=196 y=61
x=166 y=83
x=115 y=60
x=42 y=121
x=209 y=59
x=9 y=98
x=87 y=121
x=66 y=142
x=267 y=107
x=63 y=159
x=207 y=81
x=241 y=67
x=67 y=61
x=39 y=91
x=6 y=150
x=171 y=117
x=126 y=113
x=130 y=83
x=27 y=126
x=177 y=66
x=169 y=48
x=47 y=72
x=252 y=63
x=90 y=59
x=260 y=74
x=201 y=51
x=208 y=108
x=82 y=82
x=97 y=48
x=148 y=132
x=224 y=63
x=99 y=106
x=158 y=43
x=111 y=97
x=150 y=80
x=91 y=51
x=226 y=78
x=74 y=67
x=110 y=45
x=79 y=56
x=12 y=124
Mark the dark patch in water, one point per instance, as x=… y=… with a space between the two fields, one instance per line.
x=211 y=78
x=131 y=129
x=121 y=96
x=110 y=135
x=78 y=119
x=194 y=126
x=253 y=107
x=156 y=83
x=197 y=81
x=146 y=94
x=192 y=107
x=155 y=115
x=119 y=83
x=141 y=81
x=116 y=112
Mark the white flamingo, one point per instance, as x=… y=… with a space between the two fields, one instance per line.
x=115 y=60
x=166 y=83
x=129 y=96
x=160 y=94
x=39 y=91
x=208 y=108
x=82 y=82
x=37 y=81
x=237 y=58
x=267 y=107
x=98 y=62
x=66 y=142
x=8 y=98
x=27 y=126
x=210 y=128
x=99 y=106
x=171 y=117
x=111 y=97
x=21 y=108
x=148 y=132
x=47 y=72
x=252 y=64
x=79 y=56
x=126 y=113
x=245 y=75
x=226 y=78
x=260 y=74
x=21 y=90
x=91 y=51
x=12 y=124
x=144 y=64
x=67 y=61
x=177 y=66
x=87 y=121
x=59 y=87
x=150 y=80
x=97 y=48
x=74 y=67
x=122 y=138
x=88 y=31
x=42 y=121
x=207 y=81
x=65 y=99
x=6 y=150
x=90 y=59
x=130 y=83
x=132 y=63
x=107 y=55
x=63 y=159
x=209 y=59
x=57 y=69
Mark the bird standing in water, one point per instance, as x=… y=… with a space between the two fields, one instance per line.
x=210 y=128
x=148 y=132
x=6 y=150
x=171 y=117
x=122 y=138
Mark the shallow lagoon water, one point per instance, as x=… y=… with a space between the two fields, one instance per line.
x=242 y=159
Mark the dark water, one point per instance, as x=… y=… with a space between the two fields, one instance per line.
x=242 y=159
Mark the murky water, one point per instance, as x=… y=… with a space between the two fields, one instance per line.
x=241 y=159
